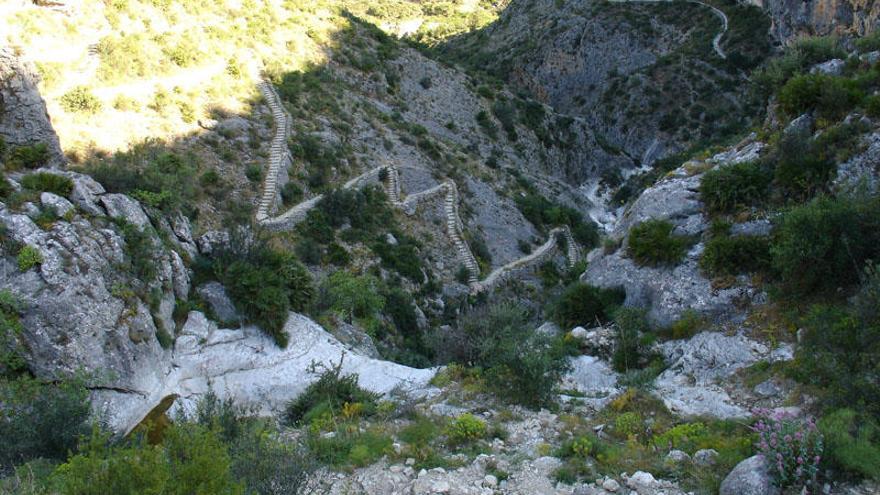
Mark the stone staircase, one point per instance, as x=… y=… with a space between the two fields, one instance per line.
x=455 y=231
x=280 y=157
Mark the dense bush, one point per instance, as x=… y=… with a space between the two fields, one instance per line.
x=353 y=296
x=840 y=350
x=852 y=442
x=629 y=351
x=652 y=243
x=140 y=252
x=43 y=181
x=332 y=390
x=5 y=187
x=265 y=284
x=522 y=365
x=732 y=255
x=823 y=244
x=41 y=420
x=726 y=189
x=582 y=304
x=830 y=96
x=164 y=179
x=33 y=156
x=28 y=257
x=366 y=211
x=465 y=428
x=802 y=168
x=80 y=100
x=543 y=213
x=402 y=257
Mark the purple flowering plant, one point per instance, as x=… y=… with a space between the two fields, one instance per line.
x=792 y=447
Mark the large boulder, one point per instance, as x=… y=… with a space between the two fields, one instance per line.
x=749 y=477
x=80 y=312
x=698 y=368
x=246 y=365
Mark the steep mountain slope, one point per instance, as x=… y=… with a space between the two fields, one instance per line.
x=670 y=91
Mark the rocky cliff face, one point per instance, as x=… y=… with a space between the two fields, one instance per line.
x=23 y=116
x=820 y=17
x=643 y=75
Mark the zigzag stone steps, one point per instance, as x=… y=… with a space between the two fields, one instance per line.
x=278 y=155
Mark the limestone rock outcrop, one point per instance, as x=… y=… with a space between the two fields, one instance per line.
x=23 y=117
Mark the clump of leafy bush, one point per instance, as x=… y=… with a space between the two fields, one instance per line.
x=823 y=245
x=630 y=349
x=80 y=100
x=331 y=391
x=543 y=213
x=265 y=284
x=44 y=181
x=852 y=442
x=164 y=179
x=583 y=304
x=33 y=156
x=28 y=258
x=830 y=96
x=652 y=243
x=140 y=251
x=465 y=428
x=802 y=167
x=523 y=366
x=731 y=255
x=41 y=420
x=840 y=349
x=353 y=296
x=728 y=188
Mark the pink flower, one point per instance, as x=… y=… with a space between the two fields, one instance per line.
x=787 y=438
x=817 y=459
x=779 y=456
x=800 y=460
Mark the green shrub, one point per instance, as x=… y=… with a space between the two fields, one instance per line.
x=253 y=172
x=80 y=100
x=802 y=168
x=41 y=420
x=191 y=459
x=5 y=187
x=628 y=424
x=403 y=257
x=524 y=367
x=869 y=43
x=731 y=255
x=652 y=243
x=629 y=351
x=332 y=390
x=582 y=304
x=726 y=189
x=486 y=124
x=465 y=428
x=840 y=349
x=543 y=213
x=291 y=194
x=823 y=244
x=852 y=442
x=872 y=106
x=33 y=156
x=830 y=96
x=43 y=181
x=28 y=258
x=166 y=178
x=687 y=325
x=354 y=296
x=140 y=252
x=265 y=285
